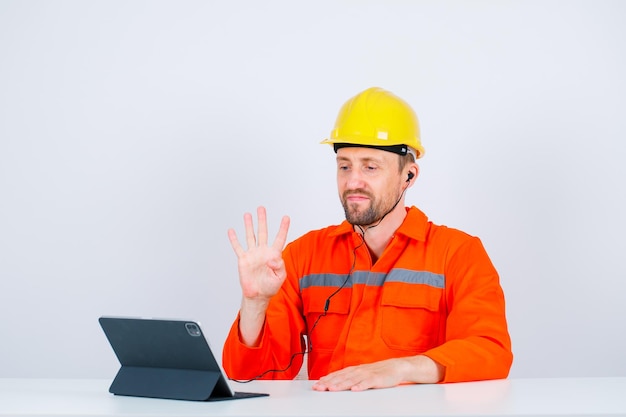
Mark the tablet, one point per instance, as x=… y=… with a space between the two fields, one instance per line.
x=163 y=358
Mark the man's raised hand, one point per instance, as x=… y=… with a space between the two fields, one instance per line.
x=261 y=266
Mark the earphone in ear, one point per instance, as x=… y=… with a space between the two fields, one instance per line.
x=410 y=176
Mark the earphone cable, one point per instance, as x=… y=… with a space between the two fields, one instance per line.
x=327 y=302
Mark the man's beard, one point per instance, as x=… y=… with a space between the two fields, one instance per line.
x=373 y=213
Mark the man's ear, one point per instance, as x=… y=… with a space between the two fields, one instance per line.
x=412 y=172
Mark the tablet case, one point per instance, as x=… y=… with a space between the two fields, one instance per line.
x=165 y=359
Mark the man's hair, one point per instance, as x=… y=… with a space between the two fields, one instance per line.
x=405 y=154
x=405 y=160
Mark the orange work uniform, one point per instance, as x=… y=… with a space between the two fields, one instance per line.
x=433 y=291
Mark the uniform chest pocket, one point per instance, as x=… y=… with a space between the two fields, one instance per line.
x=325 y=334
x=412 y=316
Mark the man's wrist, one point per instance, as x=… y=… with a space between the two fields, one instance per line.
x=252 y=320
x=422 y=369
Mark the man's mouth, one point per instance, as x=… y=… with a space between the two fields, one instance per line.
x=355 y=196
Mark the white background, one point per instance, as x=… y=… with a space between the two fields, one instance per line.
x=133 y=134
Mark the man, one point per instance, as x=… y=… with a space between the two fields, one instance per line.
x=384 y=298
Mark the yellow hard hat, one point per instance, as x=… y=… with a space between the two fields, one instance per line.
x=377 y=118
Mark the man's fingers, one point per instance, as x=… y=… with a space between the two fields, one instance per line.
x=253 y=240
x=250 y=237
x=262 y=219
x=359 y=378
x=281 y=236
x=234 y=242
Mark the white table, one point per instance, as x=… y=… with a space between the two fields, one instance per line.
x=512 y=397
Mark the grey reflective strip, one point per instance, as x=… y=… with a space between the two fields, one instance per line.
x=374 y=279
x=417 y=277
x=323 y=280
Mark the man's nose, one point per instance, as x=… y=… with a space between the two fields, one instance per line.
x=355 y=180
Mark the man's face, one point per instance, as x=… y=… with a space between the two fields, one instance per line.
x=369 y=183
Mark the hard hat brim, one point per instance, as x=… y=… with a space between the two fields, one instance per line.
x=401 y=149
